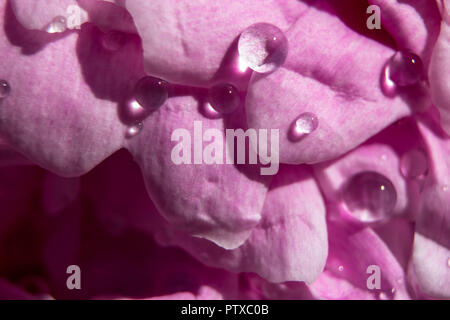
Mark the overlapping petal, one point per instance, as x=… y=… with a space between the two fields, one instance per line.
x=188 y=42
x=290 y=242
x=431 y=253
x=330 y=70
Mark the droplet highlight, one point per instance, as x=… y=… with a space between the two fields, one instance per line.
x=134 y=130
x=224 y=98
x=302 y=126
x=151 y=93
x=405 y=68
x=58 y=25
x=5 y=89
x=369 y=197
x=113 y=40
x=263 y=47
x=414 y=164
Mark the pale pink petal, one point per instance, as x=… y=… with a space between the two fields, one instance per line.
x=62 y=111
x=205 y=200
x=431 y=256
x=440 y=69
x=187 y=42
x=289 y=244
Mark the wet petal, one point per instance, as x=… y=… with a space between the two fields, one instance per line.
x=187 y=42
x=64 y=118
x=336 y=72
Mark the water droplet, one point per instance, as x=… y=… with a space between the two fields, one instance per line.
x=208 y=111
x=305 y=124
x=405 y=68
x=113 y=40
x=369 y=197
x=58 y=25
x=224 y=98
x=448 y=262
x=383 y=296
x=5 y=89
x=263 y=47
x=151 y=93
x=414 y=164
x=134 y=130
x=341 y=268
x=445 y=188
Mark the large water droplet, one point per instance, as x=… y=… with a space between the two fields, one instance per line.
x=263 y=47
x=405 y=68
x=369 y=197
x=151 y=93
x=113 y=40
x=224 y=98
x=5 y=89
x=58 y=25
x=305 y=124
x=414 y=164
x=134 y=130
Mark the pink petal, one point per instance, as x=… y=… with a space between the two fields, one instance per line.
x=440 y=69
x=346 y=242
x=431 y=256
x=37 y=14
x=63 y=117
x=330 y=70
x=382 y=155
x=290 y=242
x=414 y=24
x=187 y=42
x=205 y=200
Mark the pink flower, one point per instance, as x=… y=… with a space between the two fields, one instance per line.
x=155 y=229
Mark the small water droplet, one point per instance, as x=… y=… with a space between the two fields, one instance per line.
x=383 y=296
x=151 y=93
x=113 y=40
x=263 y=47
x=134 y=130
x=369 y=197
x=305 y=124
x=341 y=268
x=448 y=262
x=5 y=89
x=224 y=98
x=445 y=188
x=405 y=68
x=414 y=164
x=58 y=25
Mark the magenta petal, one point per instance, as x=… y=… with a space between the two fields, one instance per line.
x=205 y=200
x=330 y=70
x=290 y=242
x=431 y=256
x=186 y=42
